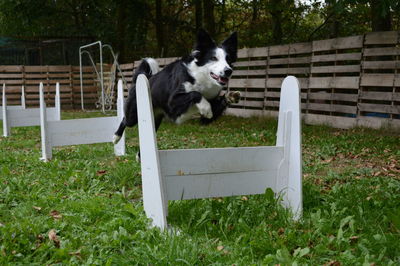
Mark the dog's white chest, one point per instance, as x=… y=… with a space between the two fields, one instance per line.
x=206 y=88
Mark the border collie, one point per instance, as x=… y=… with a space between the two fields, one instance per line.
x=188 y=86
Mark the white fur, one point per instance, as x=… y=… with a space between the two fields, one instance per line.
x=154 y=67
x=116 y=139
x=204 y=83
x=203 y=107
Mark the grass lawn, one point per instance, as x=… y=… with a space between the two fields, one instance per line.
x=84 y=206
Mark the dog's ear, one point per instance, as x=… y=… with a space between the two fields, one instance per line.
x=230 y=46
x=204 y=41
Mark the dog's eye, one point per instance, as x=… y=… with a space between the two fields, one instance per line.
x=214 y=58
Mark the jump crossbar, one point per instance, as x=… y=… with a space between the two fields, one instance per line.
x=20 y=116
x=80 y=131
x=218 y=172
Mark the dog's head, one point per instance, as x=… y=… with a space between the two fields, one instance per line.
x=215 y=59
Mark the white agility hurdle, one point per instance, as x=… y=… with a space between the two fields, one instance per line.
x=20 y=116
x=22 y=106
x=80 y=131
x=204 y=173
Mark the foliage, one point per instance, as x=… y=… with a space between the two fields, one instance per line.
x=136 y=29
x=84 y=206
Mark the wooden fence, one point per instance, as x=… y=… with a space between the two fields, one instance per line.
x=68 y=76
x=345 y=82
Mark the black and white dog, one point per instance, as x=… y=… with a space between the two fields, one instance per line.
x=188 y=86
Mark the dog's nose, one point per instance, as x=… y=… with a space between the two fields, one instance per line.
x=227 y=72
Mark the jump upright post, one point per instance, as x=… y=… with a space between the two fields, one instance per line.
x=20 y=116
x=218 y=172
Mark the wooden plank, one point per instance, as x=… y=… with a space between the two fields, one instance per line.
x=332 y=108
x=377 y=80
x=11 y=82
x=289 y=71
x=333 y=96
x=379 y=108
x=11 y=68
x=82 y=131
x=335 y=69
x=379 y=64
x=253 y=72
x=381 y=37
x=242 y=53
x=59 y=68
x=338 y=43
x=381 y=51
x=300 y=48
x=334 y=82
x=289 y=60
x=247 y=83
x=376 y=95
x=11 y=75
x=336 y=57
x=247 y=103
x=252 y=94
x=250 y=63
x=257 y=52
x=279 y=50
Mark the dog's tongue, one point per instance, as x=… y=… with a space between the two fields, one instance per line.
x=220 y=79
x=223 y=80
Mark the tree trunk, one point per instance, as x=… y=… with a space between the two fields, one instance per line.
x=276 y=10
x=380 y=16
x=198 y=6
x=209 y=19
x=121 y=29
x=334 y=24
x=159 y=29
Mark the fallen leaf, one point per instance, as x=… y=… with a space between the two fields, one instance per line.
x=219 y=248
x=55 y=214
x=76 y=253
x=332 y=263
x=101 y=172
x=53 y=237
x=354 y=238
x=37 y=208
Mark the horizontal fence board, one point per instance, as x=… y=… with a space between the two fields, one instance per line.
x=335 y=69
x=380 y=64
x=338 y=43
x=381 y=51
x=385 y=37
x=334 y=82
x=336 y=57
x=377 y=80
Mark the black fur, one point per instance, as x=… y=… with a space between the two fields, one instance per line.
x=169 y=97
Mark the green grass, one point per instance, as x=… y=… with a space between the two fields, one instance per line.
x=92 y=200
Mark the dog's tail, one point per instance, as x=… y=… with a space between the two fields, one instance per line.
x=148 y=67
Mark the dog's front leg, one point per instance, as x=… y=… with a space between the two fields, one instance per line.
x=204 y=108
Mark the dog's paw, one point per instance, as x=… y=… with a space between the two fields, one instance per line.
x=232 y=97
x=116 y=139
x=205 y=108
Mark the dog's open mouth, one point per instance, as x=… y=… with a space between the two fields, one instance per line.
x=219 y=79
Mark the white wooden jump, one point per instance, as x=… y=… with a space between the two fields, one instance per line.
x=80 y=131
x=20 y=116
x=22 y=106
x=204 y=173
